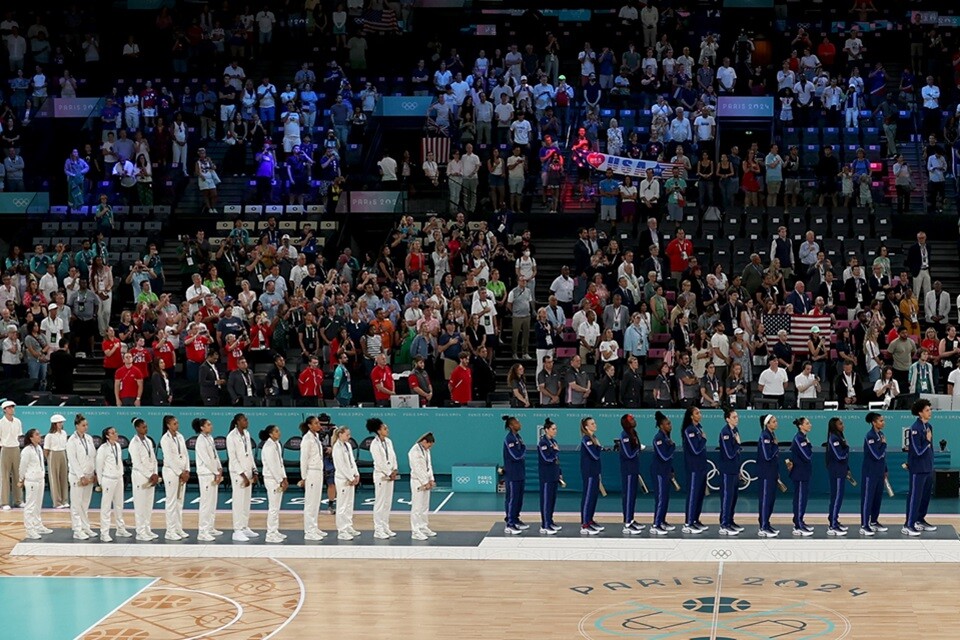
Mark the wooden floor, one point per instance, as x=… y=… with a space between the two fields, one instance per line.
x=381 y=600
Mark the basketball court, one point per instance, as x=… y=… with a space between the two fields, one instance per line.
x=474 y=582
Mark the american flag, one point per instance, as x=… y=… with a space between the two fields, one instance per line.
x=797 y=328
x=380 y=21
x=439 y=146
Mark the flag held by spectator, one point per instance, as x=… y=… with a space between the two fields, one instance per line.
x=439 y=146
x=797 y=327
x=375 y=21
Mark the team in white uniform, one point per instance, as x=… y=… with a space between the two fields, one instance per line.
x=311 y=473
x=176 y=472
x=82 y=470
x=209 y=475
x=144 y=478
x=31 y=478
x=274 y=480
x=347 y=479
x=110 y=473
x=421 y=483
x=385 y=473
x=243 y=475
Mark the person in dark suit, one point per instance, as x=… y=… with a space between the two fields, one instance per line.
x=280 y=384
x=210 y=379
x=242 y=386
x=161 y=391
x=654 y=263
x=650 y=237
x=731 y=312
x=846 y=386
x=581 y=252
x=878 y=283
x=829 y=290
x=798 y=299
x=855 y=293
x=484 y=380
x=918 y=262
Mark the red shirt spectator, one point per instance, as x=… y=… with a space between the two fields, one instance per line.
x=164 y=350
x=128 y=383
x=382 y=379
x=235 y=350
x=310 y=382
x=679 y=251
x=461 y=381
x=260 y=335
x=141 y=359
x=113 y=360
x=827 y=53
x=197 y=348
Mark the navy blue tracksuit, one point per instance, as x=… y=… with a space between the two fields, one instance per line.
x=548 y=468
x=661 y=467
x=802 y=452
x=514 y=474
x=590 y=470
x=838 y=452
x=629 y=471
x=872 y=475
x=729 y=468
x=920 y=465
x=695 y=459
x=768 y=472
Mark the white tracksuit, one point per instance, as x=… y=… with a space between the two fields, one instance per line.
x=421 y=474
x=32 y=470
x=311 y=470
x=143 y=455
x=81 y=463
x=208 y=466
x=384 y=464
x=346 y=471
x=175 y=462
x=110 y=472
x=271 y=456
x=240 y=456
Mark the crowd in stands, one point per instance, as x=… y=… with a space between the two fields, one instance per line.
x=651 y=320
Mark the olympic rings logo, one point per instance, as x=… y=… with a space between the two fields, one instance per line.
x=746 y=479
x=721 y=554
x=408 y=106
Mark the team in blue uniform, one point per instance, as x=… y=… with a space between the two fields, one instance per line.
x=695 y=460
x=920 y=466
x=873 y=474
x=768 y=473
x=838 y=456
x=548 y=467
x=729 y=468
x=514 y=475
x=661 y=468
x=590 y=471
x=629 y=473
x=800 y=468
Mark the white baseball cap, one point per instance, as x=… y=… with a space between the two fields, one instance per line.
x=57 y=418
x=8 y=403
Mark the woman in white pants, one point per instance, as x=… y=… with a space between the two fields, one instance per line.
x=144 y=478
x=32 y=469
x=311 y=472
x=209 y=475
x=110 y=472
x=82 y=469
x=421 y=482
x=274 y=479
x=347 y=479
x=385 y=472
x=55 y=448
x=243 y=475
x=176 y=472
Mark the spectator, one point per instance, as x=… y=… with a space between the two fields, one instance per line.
x=773 y=382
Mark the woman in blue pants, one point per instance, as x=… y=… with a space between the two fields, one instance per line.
x=729 y=468
x=514 y=474
x=548 y=468
x=695 y=459
x=800 y=470
x=590 y=471
x=768 y=473
x=838 y=453
x=661 y=467
x=629 y=473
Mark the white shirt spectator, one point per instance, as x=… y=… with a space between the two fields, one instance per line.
x=931 y=96
x=649 y=189
x=471 y=165
x=562 y=288
x=521 y=131
x=388 y=166
x=589 y=332
x=806 y=386
x=773 y=382
x=936 y=168
x=265 y=21
x=48 y=285
x=704 y=125
x=727 y=78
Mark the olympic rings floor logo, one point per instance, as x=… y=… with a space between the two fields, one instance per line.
x=746 y=478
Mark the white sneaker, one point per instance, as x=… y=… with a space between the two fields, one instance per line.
x=80 y=535
x=143 y=538
x=907 y=531
x=62 y=506
x=923 y=525
x=65 y=505
x=206 y=537
x=152 y=535
x=344 y=535
x=105 y=537
x=433 y=534
x=836 y=532
x=546 y=531
x=692 y=528
x=273 y=539
x=509 y=530
x=282 y=535
x=249 y=533
x=797 y=531
x=418 y=535
x=33 y=535
x=667 y=527
x=183 y=534
x=312 y=536
x=767 y=533
x=123 y=533
x=522 y=526
x=170 y=535
x=5 y=507
x=380 y=535
x=866 y=532
x=557 y=527
x=90 y=533
x=239 y=537
x=876 y=526
x=589 y=531
x=630 y=531
x=45 y=531
x=392 y=534
x=353 y=532
x=728 y=532
x=842 y=527
x=216 y=532
x=21 y=505
x=658 y=531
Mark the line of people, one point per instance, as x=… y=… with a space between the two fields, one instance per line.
x=873 y=474
x=322 y=464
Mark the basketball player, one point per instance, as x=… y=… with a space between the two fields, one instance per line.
x=144 y=479
x=729 y=468
x=514 y=475
x=421 y=482
x=768 y=472
x=109 y=467
x=838 y=454
x=82 y=473
x=274 y=480
x=176 y=472
x=209 y=476
x=800 y=469
x=549 y=473
x=311 y=474
x=661 y=467
x=920 y=466
x=31 y=474
x=243 y=475
x=873 y=473
x=385 y=473
x=347 y=480
x=695 y=460
x=629 y=473
x=590 y=472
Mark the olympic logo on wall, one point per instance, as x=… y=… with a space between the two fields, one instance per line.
x=746 y=479
x=408 y=106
